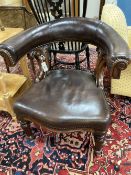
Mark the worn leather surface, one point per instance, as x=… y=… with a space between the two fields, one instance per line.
x=68 y=29
x=65 y=100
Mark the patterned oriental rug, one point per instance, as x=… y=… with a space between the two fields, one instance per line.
x=69 y=153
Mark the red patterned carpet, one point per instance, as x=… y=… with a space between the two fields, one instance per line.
x=69 y=153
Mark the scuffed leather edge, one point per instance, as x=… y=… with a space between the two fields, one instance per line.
x=7 y=56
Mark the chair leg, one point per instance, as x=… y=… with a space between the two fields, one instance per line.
x=77 y=62
x=7 y=67
x=99 y=137
x=25 y=125
x=54 y=53
x=50 y=66
x=87 y=57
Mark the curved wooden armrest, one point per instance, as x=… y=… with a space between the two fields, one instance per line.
x=115 y=51
x=115 y=67
x=118 y=65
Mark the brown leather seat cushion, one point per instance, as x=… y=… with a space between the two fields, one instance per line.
x=65 y=99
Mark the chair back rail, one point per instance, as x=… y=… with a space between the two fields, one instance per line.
x=48 y=10
x=70 y=29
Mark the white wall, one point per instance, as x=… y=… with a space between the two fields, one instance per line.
x=93 y=8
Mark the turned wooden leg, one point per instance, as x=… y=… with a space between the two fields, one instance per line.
x=55 y=61
x=7 y=67
x=99 y=137
x=88 y=57
x=77 y=61
x=50 y=59
x=26 y=127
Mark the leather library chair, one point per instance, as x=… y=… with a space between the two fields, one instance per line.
x=69 y=100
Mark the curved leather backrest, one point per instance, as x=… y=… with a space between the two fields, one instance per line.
x=67 y=29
